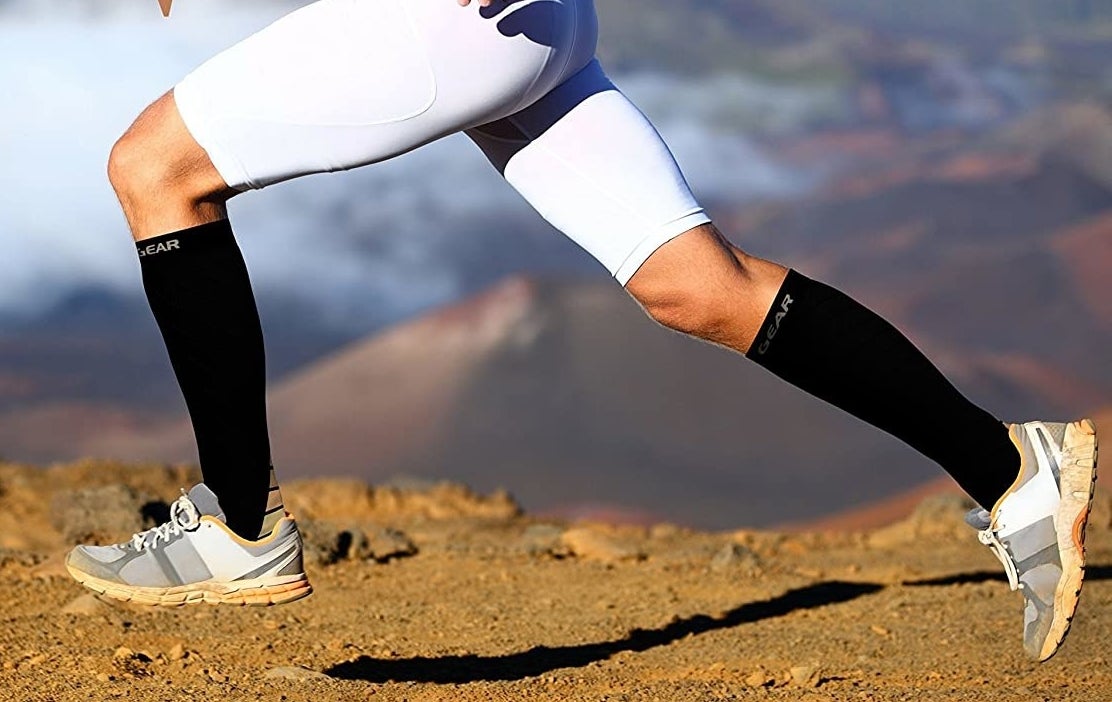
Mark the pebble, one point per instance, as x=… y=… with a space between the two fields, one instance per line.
x=384 y=543
x=86 y=605
x=664 y=530
x=759 y=678
x=591 y=545
x=327 y=543
x=806 y=675
x=734 y=556
x=542 y=540
x=134 y=663
x=51 y=568
x=294 y=672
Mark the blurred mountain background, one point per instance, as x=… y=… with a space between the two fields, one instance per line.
x=948 y=163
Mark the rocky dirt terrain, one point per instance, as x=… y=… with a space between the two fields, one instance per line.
x=430 y=592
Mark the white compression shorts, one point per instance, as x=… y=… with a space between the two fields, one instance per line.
x=344 y=83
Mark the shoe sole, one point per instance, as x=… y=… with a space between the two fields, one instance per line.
x=1078 y=481
x=258 y=592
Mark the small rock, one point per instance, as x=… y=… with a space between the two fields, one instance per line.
x=103 y=677
x=134 y=663
x=760 y=678
x=590 y=544
x=86 y=605
x=384 y=544
x=734 y=556
x=664 y=530
x=327 y=543
x=543 y=540
x=53 y=567
x=879 y=630
x=176 y=652
x=294 y=672
x=806 y=675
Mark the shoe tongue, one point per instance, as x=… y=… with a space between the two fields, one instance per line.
x=206 y=502
x=979 y=518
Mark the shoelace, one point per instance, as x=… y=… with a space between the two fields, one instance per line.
x=183 y=506
x=989 y=538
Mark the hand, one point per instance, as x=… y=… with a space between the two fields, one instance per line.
x=482 y=3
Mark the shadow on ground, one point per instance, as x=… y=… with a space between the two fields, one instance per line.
x=1092 y=573
x=543 y=659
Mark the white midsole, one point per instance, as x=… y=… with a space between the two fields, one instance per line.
x=214 y=586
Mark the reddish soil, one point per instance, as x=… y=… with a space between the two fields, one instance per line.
x=495 y=605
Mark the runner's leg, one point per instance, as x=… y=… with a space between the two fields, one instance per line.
x=200 y=294
x=332 y=86
x=591 y=163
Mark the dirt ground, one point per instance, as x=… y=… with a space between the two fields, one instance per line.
x=432 y=593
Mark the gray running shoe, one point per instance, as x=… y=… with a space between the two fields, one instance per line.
x=1037 y=529
x=195 y=557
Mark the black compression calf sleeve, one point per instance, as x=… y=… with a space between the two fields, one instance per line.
x=200 y=294
x=825 y=343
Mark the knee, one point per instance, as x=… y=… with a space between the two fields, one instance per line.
x=140 y=169
x=133 y=167
x=692 y=284
x=686 y=303
x=700 y=284
x=155 y=160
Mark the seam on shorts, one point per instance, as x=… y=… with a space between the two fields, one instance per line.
x=428 y=66
x=521 y=104
x=571 y=45
x=560 y=77
x=525 y=138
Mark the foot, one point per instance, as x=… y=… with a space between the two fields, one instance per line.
x=195 y=557
x=1037 y=529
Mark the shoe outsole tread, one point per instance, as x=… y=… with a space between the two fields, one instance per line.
x=260 y=592
x=1072 y=542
